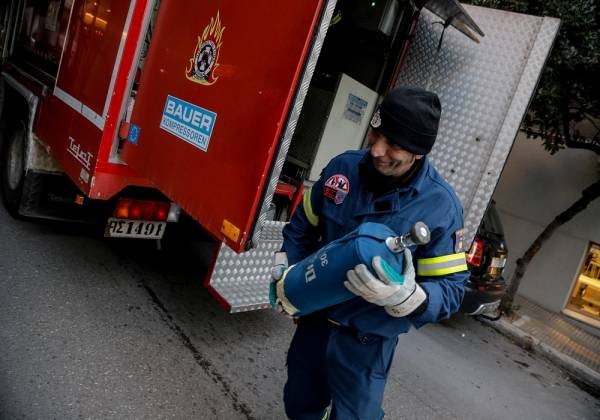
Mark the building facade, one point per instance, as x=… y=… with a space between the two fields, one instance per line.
x=564 y=276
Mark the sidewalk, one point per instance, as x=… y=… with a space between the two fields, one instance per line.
x=551 y=334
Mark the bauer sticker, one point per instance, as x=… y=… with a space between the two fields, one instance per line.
x=189 y=122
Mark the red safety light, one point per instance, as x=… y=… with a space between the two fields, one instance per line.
x=141 y=209
x=475 y=254
x=135 y=210
x=122 y=208
x=162 y=210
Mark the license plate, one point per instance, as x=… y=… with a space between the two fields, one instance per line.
x=498 y=262
x=141 y=229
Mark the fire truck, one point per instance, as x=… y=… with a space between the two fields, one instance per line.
x=139 y=111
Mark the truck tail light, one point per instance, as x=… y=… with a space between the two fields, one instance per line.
x=475 y=254
x=127 y=208
x=122 y=208
x=162 y=212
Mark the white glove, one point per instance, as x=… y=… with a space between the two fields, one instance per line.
x=280 y=264
x=398 y=293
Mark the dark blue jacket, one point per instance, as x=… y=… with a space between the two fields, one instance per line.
x=340 y=201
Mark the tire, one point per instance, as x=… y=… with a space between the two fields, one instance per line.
x=1 y=97
x=12 y=173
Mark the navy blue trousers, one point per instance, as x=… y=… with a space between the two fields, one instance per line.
x=335 y=365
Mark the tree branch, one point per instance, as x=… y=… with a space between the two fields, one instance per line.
x=587 y=196
x=590 y=119
x=584 y=143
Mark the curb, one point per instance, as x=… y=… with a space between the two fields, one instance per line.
x=574 y=368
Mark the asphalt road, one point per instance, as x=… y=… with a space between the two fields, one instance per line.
x=98 y=329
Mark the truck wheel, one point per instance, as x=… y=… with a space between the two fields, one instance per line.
x=13 y=167
x=1 y=96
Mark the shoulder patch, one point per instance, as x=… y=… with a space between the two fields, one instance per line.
x=336 y=188
x=459 y=240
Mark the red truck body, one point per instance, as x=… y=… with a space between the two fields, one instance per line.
x=79 y=119
x=259 y=50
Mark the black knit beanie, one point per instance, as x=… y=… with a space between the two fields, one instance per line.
x=409 y=117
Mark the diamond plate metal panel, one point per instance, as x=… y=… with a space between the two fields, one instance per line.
x=484 y=89
x=242 y=280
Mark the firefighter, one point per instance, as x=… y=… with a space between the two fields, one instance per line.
x=340 y=357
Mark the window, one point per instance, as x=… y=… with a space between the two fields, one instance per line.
x=41 y=38
x=585 y=297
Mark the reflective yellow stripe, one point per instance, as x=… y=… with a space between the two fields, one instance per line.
x=440 y=266
x=313 y=219
x=443 y=258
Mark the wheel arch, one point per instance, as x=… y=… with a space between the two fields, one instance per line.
x=23 y=107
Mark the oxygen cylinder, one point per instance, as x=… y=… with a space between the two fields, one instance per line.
x=317 y=282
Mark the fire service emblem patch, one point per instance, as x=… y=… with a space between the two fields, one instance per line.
x=336 y=188
x=203 y=64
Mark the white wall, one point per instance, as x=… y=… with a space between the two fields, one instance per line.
x=535 y=187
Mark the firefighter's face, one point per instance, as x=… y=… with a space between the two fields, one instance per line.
x=389 y=159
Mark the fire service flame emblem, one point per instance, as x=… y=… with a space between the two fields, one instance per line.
x=204 y=62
